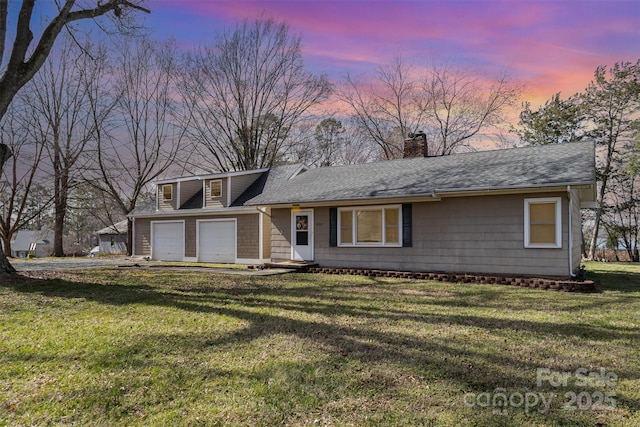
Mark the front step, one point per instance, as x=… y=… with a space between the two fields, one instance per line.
x=298 y=266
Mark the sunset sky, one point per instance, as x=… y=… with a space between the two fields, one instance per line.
x=551 y=46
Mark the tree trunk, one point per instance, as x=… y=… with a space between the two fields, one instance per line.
x=5 y=265
x=58 y=230
x=60 y=205
x=601 y=198
x=596 y=228
x=6 y=247
x=129 y=236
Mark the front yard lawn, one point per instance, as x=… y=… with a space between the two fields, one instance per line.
x=166 y=348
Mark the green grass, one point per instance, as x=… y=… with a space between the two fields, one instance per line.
x=163 y=348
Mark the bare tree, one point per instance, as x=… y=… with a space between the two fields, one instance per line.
x=28 y=54
x=245 y=92
x=387 y=108
x=451 y=105
x=60 y=96
x=329 y=139
x=89 y=209
x=461 y=103
x=19 y=178
x=140 y=140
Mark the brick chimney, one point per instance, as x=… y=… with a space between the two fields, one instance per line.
x=415 y=145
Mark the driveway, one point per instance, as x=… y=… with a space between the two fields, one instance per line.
x=68 y=263
x=52 y=264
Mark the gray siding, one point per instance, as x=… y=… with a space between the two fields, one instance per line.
x=266 y=234
x=281 y=234
x=188 y=189
x=112 y=244
x=483 y=234
x=142 y=237
x=240 y=183
x=170 y=204
x=576 y=219
x=215 y=202
x=247 y=238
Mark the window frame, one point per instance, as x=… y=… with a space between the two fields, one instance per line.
x=211 y=189
x=164 y=196
x=354 y=226
x=558 y=222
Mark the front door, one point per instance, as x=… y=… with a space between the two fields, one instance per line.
x=302 y=235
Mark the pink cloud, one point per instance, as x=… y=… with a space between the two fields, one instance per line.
x=552 y=46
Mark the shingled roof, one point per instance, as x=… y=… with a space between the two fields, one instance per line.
x=517 y=168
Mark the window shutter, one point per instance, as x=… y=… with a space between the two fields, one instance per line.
x=333 y=226
x=407 y=226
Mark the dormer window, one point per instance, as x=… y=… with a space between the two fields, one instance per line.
x=167 y=192
x=216 y=188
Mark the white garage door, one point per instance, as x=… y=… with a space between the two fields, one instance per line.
x=168 y=241
x=217 y=241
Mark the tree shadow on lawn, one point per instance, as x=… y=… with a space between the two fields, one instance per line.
x=619 y=281
x=266 y=309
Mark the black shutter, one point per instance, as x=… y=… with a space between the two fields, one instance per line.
x=333 y=226
x=407 y=226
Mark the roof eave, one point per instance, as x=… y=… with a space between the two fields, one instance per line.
x=197 y=212
x=209 y=176
x=436 y=195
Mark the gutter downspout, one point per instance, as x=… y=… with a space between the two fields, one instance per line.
x=570 y=234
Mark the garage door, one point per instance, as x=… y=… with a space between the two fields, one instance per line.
x=168 y=241
x=217 y=241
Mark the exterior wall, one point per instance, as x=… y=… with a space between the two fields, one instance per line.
x=240 y=183
x=247 y=239
x=119 y=245
x=482 y=234
x=216 y=202
x=266 y=234
x=188 y=189
x=167 y=205
x=576 y=219
x=281 y=234
x=142 y=237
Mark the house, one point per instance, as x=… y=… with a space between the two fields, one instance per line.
x=513 y=211
x=112 y=240
x=203 y=218
x=38 y=243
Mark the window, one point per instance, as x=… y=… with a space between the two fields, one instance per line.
x=216 y=188
x=167 y=192
x=543 y=223
x=369 y=226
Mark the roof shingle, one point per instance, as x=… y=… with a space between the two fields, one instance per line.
x=527 y=167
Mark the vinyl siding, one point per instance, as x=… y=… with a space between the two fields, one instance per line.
x=240 y=183
x=119 y=244
x=266 y=234
x=169 y=204
x=142 y=237
x=247 y=239
x=281 y=234
x=188 y=189
x=576 y=219
x=482 y=234
x=216 y=202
